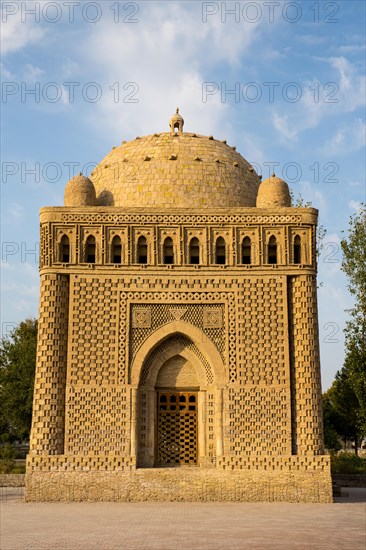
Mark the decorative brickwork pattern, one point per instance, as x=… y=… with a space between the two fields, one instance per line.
x=305 y=376
x=263 y=330
x=233 y=227
x=97 y=418
x=94 y=323
x=258 y=418
x=133 y=312
x=45 y=251
x=161 y=314
x=212 y=318
x=48 y=419
x=141 y=317
x=236 y=216
x=81 y=463
x=211 y=410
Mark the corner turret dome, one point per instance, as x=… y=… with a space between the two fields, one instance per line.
x=80 y=191
x=273 y=192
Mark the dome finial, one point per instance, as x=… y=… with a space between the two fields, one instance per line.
x=176 y=122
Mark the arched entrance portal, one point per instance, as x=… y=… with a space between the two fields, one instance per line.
x=177 y=376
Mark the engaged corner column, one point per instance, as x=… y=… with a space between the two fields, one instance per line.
x=133 y=451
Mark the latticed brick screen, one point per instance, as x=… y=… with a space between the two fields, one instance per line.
x=177 y=428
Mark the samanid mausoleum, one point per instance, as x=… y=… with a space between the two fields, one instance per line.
x=178 y=352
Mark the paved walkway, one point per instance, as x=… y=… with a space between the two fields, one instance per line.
x=186 y=526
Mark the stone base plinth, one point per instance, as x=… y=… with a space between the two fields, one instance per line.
x=186 y=484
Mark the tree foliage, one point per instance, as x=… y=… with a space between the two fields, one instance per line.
x=330 y=419
x=354 y=266
x=321 y=232
x=17 y=368
x=340 y=413
x=354 y=257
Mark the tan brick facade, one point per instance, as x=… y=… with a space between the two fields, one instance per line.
x=178 y=347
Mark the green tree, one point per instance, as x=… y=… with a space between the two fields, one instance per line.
x=321 y=232
x=341 y=411
x=17 y=368
x=354 y=266
x=331 y=421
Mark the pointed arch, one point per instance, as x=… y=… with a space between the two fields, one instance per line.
x=194 y=251
x=209 y=351
x=220 y=251
x=168 y=251
x=173 y=350
x=297 y=250
x=90 y=250
x=64 y=252
x=116 y=250
x=142 y=250
x=272 y=250
x=246 y=251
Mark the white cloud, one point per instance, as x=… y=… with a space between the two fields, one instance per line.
x=17 y=34
x=16 y=210
x=281 y=124
x=166 y=58
x=272 y=55
x=312 y=39
x=32 y=73
x=342 y=93
x=5 y=73
x=336 y=142
x=310 y=193
x=71 y=68
x=354 y=205
x=352 y=92
x=251 y=145
x=350 y=137
x=331 y=294
x=352 y=48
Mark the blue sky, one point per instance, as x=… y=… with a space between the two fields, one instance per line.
x=283 y=81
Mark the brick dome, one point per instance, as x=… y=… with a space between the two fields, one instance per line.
x=273 y=192
x=80 y=191
x=175 y=170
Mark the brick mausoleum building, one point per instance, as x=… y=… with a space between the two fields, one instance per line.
x=178 y=354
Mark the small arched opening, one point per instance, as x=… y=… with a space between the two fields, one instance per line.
x=142 y=250
x=64 y=249
x=116 y=250
x=246 y=251
x=272 y=250
x=297 y=249
x=90 y=250
x=194 y=251
x=168 y=251
x=220 y=256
